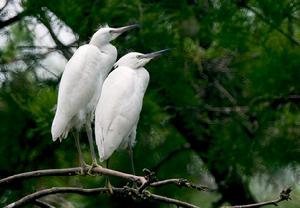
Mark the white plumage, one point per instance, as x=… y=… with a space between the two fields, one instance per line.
x=119 y=107
x=81 y=82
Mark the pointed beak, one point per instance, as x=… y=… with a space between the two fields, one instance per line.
x=156 y=54
x=125 y=28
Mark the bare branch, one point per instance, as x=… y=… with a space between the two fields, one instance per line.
x=180 y=182
x=129 y=192
x=172 y=201
x=32 y=197
x=102 y=171
x=71 y=172
x=133 y=193
x=151 y=180
x=284 y=196
x=49 y=71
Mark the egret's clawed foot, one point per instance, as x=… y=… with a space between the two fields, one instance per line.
x=94 y=165
x=84 y=168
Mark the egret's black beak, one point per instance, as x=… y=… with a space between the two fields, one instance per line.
x=156 y=54
x=125 y=28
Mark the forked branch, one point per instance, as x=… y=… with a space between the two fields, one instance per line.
x=140 y=192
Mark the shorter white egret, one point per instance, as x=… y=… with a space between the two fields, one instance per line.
x=81 y=84
x=119 y=107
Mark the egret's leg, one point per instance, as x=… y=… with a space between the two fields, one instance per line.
x=91 y=143
x=107 y=183
x=81 y=160
x=130 y=151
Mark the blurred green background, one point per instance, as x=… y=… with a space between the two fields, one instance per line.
x=222 y=109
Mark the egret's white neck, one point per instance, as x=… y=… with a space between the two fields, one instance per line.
x=100 y=39
x=109 y=55
x=106 y=48
x=99 y=43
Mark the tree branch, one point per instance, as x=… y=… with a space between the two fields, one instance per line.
x=180 y=182
x=284 y=196
x=128 y=192
x=167 y=200
x=71 y=172
x=13 y=19
x=62 y=47
x=32 y=197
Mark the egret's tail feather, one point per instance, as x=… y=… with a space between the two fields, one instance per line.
x=100 y=142
x=59 y=128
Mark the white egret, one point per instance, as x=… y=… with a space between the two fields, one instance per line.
x=81 y=84
x=120 y=104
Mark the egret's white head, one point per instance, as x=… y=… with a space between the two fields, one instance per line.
x=106 y=34
x=137 y=60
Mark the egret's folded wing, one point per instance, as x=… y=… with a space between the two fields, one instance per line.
x=77 y=86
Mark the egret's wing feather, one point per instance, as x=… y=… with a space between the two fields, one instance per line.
x=79 y=79
x=77 y=86
x=114 y=136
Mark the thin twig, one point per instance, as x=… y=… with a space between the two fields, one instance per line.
x=284 y=196
x=49 y=71
x=167 y=200
x=129 y=192
x=180 y=182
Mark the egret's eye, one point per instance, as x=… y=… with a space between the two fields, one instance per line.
x=138 y=56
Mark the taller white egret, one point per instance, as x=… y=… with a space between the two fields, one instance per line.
x=119 y=107
x=81 y=84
